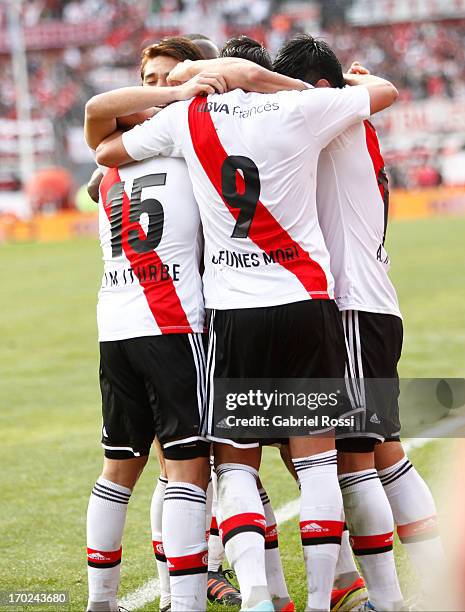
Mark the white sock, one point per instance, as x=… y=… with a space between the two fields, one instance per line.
x=185 y=545
x=242 y=529
x=321 y=524
x=414 y=513
x=346 y=570
x=106 y=515
x=371 y=526
x=215 y=545
x=156 y=513
x=209 y=509
x=274 y=569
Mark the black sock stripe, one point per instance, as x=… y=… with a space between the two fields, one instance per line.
x=270 y=545
x=315 y=464
x=346 y=479
x=396 y=471
x=311 y=467
x=220 y=472
x=214 y=531
x=394 y=478
x=197 y=501
x=112 y=491
x=104 y=565
x=187 y=572
x=351 y=484
x=322 y=540
x=184 y=491
x=371 y=551
x=160 y=557
x=320 y=460
x=242 y=529
x=118 y=501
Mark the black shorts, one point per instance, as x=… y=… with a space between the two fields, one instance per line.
x=153 y=386
x=298 y=340
x=374 y=347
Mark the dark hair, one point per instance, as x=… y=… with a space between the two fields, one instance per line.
x=206 y=46
x=304 y=57
x=177 y=47
x=247 y=48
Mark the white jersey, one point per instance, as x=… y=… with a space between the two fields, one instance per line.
x=250 y=156
x=353 y=216
x=150 y=236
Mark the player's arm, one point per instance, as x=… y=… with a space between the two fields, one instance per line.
x=111 y=152
x=157 y=136
x=238 y=73
x=382 y=92
x=103 y=110
x=94 y=184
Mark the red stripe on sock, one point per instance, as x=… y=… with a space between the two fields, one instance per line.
x=102 y=557
x=213 y=524
x=159 y=550
x=271 y=533
x=248 y=521
x=197 y=561
x=423 y=527
x=372 y=542
x=321 y=529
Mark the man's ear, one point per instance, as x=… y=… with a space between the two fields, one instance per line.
x=323 y=83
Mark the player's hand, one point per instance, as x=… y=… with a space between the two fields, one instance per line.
x=180 y=73
x=203 y=84
x=357 y=68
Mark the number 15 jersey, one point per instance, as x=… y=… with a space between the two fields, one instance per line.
x=252 y=159
x=151 y=240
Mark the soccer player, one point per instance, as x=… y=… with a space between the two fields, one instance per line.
x=150 y=319
x=249 y=49
x=205 y=45
x=352 y=200
x=272 y=317
x=246 y=48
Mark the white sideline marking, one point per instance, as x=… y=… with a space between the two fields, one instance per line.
x=149 y=591
x=145 y=594
x=288 y=511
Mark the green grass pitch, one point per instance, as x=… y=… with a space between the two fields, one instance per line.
x=50 y=422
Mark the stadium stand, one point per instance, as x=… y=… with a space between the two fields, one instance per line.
x=76 y=49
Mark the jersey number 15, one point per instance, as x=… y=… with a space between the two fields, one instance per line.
x=150 y=206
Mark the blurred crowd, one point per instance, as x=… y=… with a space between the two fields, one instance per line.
x=426 y=60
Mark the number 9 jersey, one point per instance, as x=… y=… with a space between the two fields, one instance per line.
x=253 y=161
x=151 y=239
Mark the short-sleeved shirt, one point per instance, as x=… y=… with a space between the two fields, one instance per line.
x=252 y=159
x=151 y=242
x=352 y=202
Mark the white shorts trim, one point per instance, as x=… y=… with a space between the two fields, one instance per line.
x=124 y=448
x=185 y=441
